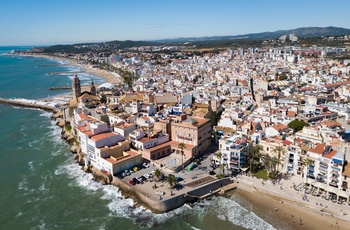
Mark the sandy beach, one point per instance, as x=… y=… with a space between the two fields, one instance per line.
x=285 y=213
x=108 y=76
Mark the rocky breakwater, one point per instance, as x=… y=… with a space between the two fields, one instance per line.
x=68 y=135
x=29 y=104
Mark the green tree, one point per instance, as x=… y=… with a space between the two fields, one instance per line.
x=297 y=125
x=283 y=76
x=307 y=162
x=279 y=151
x=222 y=167
x=254 y=154
x=271 y=164
x=103 y=99
x=171 y=180
x=182 y=146
x=158 y=174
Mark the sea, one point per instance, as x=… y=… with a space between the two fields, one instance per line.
x=41 y=186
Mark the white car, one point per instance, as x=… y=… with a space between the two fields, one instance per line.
x=145 y=165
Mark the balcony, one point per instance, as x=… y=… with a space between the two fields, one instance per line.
x=185 y=138
x=323 y=169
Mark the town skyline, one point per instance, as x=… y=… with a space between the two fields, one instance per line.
x=38 y=23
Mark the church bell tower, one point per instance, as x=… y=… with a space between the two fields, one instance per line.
x=76 y=87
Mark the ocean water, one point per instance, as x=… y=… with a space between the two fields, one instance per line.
x=42 y=188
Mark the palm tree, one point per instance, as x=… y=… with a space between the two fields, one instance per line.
x=270 y=164
x=158 y=174
x=280 y=151
x=307 y=162
x=182 y=146
x=171 y=179
x=254 y=154
x=219 y=155
x=222 y=167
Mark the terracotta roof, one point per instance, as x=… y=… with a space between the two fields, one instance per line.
x=318 y=149
x=280 y=127
x=330 y=155
x=101 y=136
x=286 y=142
x=291 y=114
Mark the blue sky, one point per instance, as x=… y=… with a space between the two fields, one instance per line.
x=44 y=22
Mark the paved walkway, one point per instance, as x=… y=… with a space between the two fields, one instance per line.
x=286 y=189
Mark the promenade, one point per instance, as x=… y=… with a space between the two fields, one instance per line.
x=289 y=205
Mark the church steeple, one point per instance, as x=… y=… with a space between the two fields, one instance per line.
x=76 y=87
x=93 y=88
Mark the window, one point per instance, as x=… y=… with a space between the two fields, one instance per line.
x=267 y=148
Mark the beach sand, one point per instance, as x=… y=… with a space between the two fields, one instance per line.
x=108 y=76
x=286 y=214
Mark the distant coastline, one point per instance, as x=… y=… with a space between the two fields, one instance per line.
x=108 y=76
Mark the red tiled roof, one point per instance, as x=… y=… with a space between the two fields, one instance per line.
x=101 y=136
x=318 y=149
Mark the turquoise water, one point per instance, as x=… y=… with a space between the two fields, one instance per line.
x=42 y=188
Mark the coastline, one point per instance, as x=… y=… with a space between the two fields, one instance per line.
x=261 y=199
x=108 y=76
x=283 y=212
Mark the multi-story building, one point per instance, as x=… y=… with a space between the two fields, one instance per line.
x=194 y=131
x=233 y=152
x=103 y=149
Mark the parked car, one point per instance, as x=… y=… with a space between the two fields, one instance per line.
x=146 y=175
x=127 y=172
x=123 y=174
x=135 y=169
x=132 y=182
x=135 y=180
x=145 y=165
x=143 y=178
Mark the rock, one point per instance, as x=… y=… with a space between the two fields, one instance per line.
x=74 y=148
x=60 y=123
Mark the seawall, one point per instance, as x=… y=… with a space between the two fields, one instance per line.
x=162 y=206
x=29 y=104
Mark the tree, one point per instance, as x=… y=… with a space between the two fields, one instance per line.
x=158 y=174
x=297 y=125
x=219 y=155
x=280 y=151
x=222 y=167
x=182 y=146
x=270 y=164
x=307 y=162
x=103 y=99
x=254 y=154
x=171 y=180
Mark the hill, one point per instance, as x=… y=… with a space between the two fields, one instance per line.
x=304 y=32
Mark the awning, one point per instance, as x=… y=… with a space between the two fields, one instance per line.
x=343 y=194
x=337 y=161
x=320 y=185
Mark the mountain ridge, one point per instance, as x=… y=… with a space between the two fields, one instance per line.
x=302 y=32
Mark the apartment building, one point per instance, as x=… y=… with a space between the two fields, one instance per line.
x=233 y=150
x=194 y=131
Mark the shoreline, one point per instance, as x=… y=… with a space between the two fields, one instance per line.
x=104 y=74
x=283 y=212
x=261 y=198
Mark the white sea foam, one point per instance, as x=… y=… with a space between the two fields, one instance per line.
x=81 y=179
x=22 y=185
x=233 y=212
x=19 y=214
x=42 y=187
x=31 y=166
